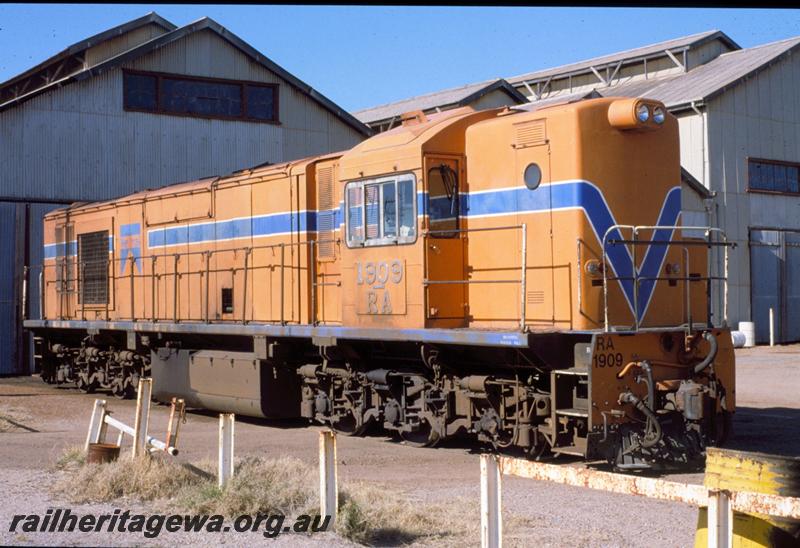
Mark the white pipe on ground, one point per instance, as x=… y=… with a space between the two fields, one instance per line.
x=150 y=440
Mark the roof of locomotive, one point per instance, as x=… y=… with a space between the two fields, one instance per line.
x=204 y=184
x=400 y=148
x=535 y=111
x=405 y=134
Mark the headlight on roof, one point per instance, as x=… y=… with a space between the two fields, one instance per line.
x=636 y=113
x=642 y=113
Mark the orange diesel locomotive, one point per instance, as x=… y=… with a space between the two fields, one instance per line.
x=521 y=276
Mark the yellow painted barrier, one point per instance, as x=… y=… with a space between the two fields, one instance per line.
x=759 y=473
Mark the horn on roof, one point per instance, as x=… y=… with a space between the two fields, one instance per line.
x=413 y=118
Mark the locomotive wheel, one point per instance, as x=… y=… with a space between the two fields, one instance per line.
x=48 y=375
x=86 y=387
x=122 y=393
x=347 y=426
x=424 y=436
x=722 y=428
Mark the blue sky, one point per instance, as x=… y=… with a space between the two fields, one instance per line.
x=361 y=56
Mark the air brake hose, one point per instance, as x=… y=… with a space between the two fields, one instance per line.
x=627 y=397
x=648 y=371
x=712 y=353
x=651 y=396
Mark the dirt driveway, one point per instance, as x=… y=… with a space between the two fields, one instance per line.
x=48 y=419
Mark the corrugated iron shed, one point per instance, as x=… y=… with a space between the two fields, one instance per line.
x=68 y=135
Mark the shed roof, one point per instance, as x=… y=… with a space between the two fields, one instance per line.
x=713 y=78
x=689 y=180
x=678 y=91
x=634 y=54
x=173 y=35
x=81 y=46
x=453 y=97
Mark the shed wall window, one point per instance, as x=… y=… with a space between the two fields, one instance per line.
x=140 y=92
x=200 y=97
x=388 y=206
x=261 y=103
x=93 y=262
x=772 y=176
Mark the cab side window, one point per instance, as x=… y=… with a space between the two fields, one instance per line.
x=381 y=211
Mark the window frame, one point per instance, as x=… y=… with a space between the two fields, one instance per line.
x=444 y=233
x=382 y=241
x=756 y=190
x=243 y=84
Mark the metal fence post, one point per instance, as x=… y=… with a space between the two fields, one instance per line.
x=25 y=271
x=142 y=417
x=226 y=434
x=328 y=485
x=96 y=423
x=720 y=520
x=491 y=487
x=771 y=327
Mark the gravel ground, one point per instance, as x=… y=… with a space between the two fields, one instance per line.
x=46 y=419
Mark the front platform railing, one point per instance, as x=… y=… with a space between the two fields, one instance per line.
x=709 y=241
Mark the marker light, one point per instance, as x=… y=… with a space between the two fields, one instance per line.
x=658 y=115
x=642 y=113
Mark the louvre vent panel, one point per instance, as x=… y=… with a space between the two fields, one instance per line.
x=530 y=133
x=93 y=260
x=535 y=297
x=326 y=213
x=325 y=187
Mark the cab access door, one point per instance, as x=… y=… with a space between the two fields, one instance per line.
x=445 y=290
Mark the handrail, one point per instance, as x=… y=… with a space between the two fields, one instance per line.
x=637 y=279
x=464 y=230
x=522 y=281
x=72 y=270
x=68 y=293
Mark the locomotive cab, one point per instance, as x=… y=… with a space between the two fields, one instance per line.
x=403 y=258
